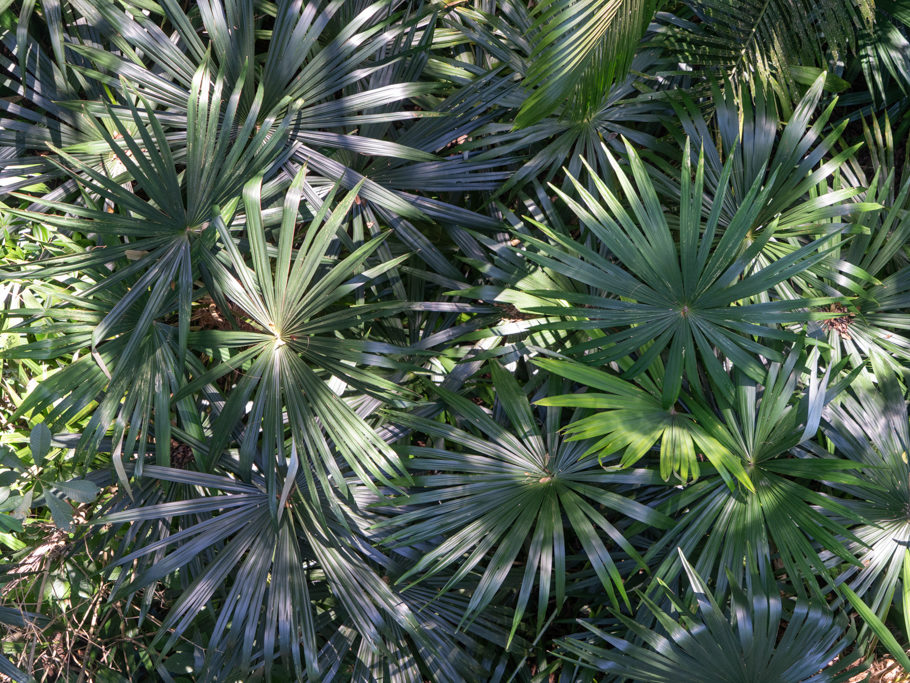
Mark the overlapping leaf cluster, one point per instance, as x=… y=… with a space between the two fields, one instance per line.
x=429 y=341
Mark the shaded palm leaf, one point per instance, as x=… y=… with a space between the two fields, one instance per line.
x=757 y=637
x=250 y=546
x=870 y=271
x=10 y=617
x=597 y=113
x=869 y=426
x=872 y=277
x=739 y=39
x=515 y=489
x=885 y=51
x=290 y=593
x=793 y=161
x=332 y=77
x=581 y=46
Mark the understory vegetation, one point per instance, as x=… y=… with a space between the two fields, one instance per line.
x=426 y=341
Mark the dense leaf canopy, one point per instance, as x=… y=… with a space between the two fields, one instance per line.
x=494 y=340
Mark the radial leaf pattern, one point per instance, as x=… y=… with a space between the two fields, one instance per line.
x=417 y=340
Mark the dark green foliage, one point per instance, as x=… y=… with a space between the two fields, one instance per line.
x=391 y=341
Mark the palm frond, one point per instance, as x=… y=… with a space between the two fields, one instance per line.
x=757 y=635
x=765 y=37
x=513 y=484
x=582 y=46
x=647 y=293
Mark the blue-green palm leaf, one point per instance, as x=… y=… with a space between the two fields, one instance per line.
x=157 y=240
x=870 y=273
x=652 y=292
x=514 y=489
x=757 y=637
x=290 y=593
x=869 y=426
x=296 y=341
x=796 y=161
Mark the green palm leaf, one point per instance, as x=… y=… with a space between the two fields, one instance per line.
x=581 y=45
x=513 y=490
x=766 y=36
x=649 y=293
x=794 y=161
x=757 y=637
x=784 y=518
x=288 y=296
x=632 y=418
x=165 y=232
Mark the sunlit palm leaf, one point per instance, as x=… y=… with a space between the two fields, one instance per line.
x=785 y=518
x=649 y=293
x=631 y=418
x=293 y=341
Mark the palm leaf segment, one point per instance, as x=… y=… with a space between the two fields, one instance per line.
x=650 y=293
x=514 y=489
x=757 y=637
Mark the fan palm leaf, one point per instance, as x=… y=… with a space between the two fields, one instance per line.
x=164 y=231
x=794 y=161
x=757 y=637
x=773 y=507
x=648 y=293
x=293 y=341
x=869 y=426
x=785 y=519
x=515 y=486
x=577 y=125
